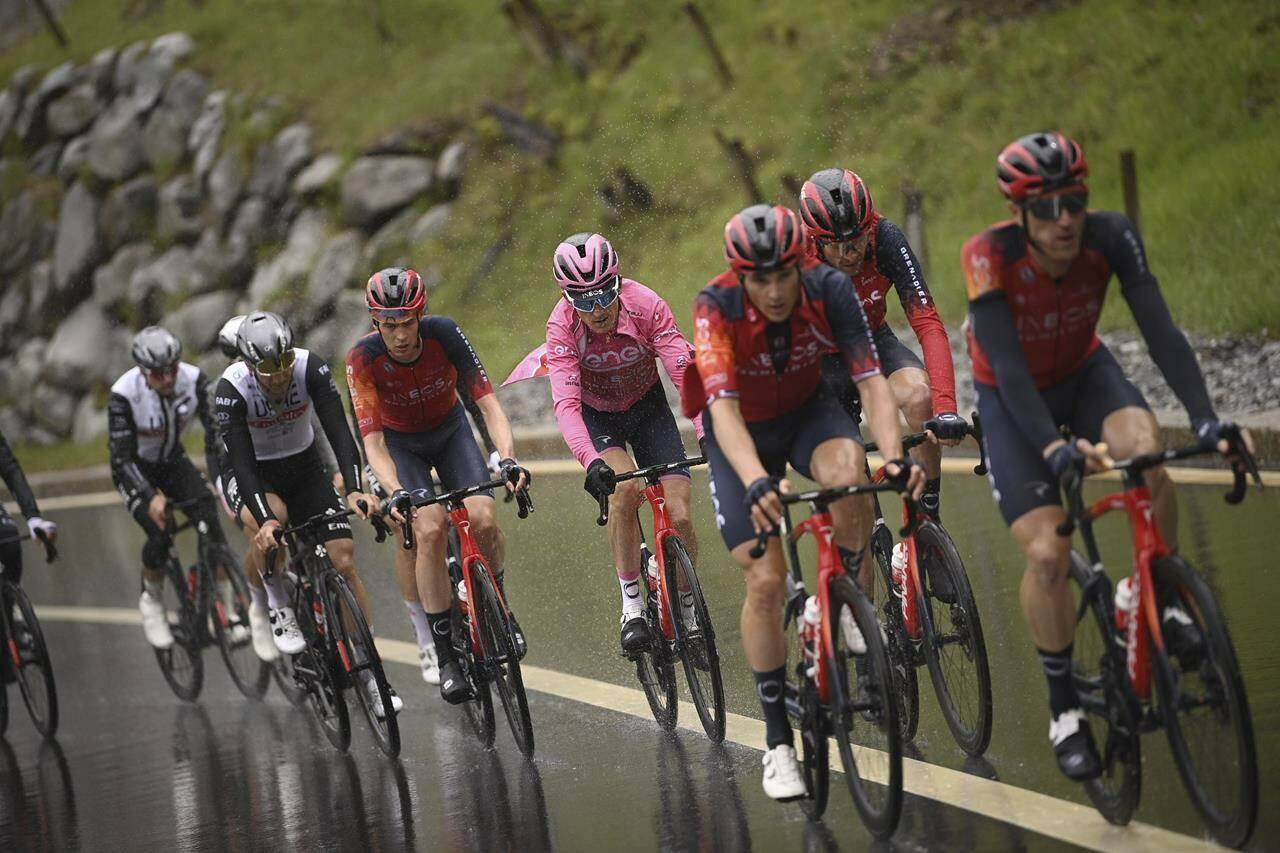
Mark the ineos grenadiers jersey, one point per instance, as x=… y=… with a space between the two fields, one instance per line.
x=146 y=427
x=774 y=368
x=255 y=428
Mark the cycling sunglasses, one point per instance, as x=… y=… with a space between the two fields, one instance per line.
x=163 y=372
x=1051 y=207
x=273 y=367
x=848 y=246
x=588 y=301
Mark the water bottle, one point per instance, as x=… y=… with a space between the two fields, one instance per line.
x=898 y=563
x=810 y=635
x=651 y=569
x=1126 y=607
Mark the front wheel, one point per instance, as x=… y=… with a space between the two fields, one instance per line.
x=182 y=663
x=861 y=703
x=903 y=654
x=358 y=657
x=229 y=608
x=695 y=636
x=480 y=707
x=499 y=659
x=317 y=667
x=29 y=657
x=656 y=668
x=1206 y=712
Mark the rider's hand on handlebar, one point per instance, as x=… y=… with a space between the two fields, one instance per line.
x=1216 y=435
x=515 y=474
x=38 y=526
x=601 y=479
x=265 y=539
x=764 y=504
x=362 y=504
x=907 y=475
x=947 y=428
x=156 y=510
x=399 y=506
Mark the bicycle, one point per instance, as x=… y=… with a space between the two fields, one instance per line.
x=827 y=696
x=932 y=618
x=339 y=646
x=26 y=650
x=482 y=633
x=1114 y=668
x=200 y=614
x=681 y=628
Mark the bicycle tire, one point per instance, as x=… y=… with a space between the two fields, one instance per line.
x=319 y=665
x=246 y=669
x=1218 y=686
x=903 y=654
x=1100 y=677
x=698 y=652
x=479 y=709
x=39 y=695
x=4 y=708
x=656 y=669
x=499 y=657
x=815 y=747
x=182 y=664
x=352 y=634
x=877 y=765
x=970 y=721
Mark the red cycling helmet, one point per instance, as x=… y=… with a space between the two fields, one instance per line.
x=395 y=289
x=1039 y=163
x=836 y=205
x=763 y=238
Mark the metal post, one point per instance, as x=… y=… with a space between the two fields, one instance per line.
x=914 y=202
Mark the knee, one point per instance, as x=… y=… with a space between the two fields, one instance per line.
x=915 y=400
x=678 y=512
x=1047 y=559
x=765 y=589
x=154 y=554
x=626 y=498
x=431 y=533
x=342 y=554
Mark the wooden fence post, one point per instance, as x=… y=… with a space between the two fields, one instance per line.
x=709 y=41
x=914 y=222
x=1129 y=179
x=742 y=165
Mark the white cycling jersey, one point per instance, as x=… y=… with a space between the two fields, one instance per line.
x=280 y=429
x=158 y=421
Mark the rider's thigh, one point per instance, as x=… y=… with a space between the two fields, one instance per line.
x=677 y=491
x=342 y=552
x=1131 y=431
x=1036 y=532
x=482 y=511
x=838 y=462
x=911 y=389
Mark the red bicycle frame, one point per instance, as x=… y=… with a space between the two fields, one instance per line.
x=830 y=568
x=470 y=555
x=911 y=578
x=662 y=528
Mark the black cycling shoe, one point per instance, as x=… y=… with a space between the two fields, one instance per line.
x=695 y=649
x=454 y=688
x=1077 y=755
x=522 y=648
x=1182 y=638
x=635 y=635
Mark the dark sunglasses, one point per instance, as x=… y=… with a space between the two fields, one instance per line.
x=1052 y=206
x=587 y=301
x=273 y=367
x=163 y=372
x=849 y=245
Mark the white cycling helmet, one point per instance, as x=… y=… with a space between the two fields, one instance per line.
x=227 y=336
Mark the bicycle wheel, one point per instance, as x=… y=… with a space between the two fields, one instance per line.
x=498 y=657
x=903 y=654
x=953 y=647
x=480 y=708
x=696 y=640
x=30 y=659
x=656 y=667
x=862 y=703
x=231 y=625
x=359 y=659
x=1206 y=712
x=317 y=666
x=1099 y=673
x=4 y=707
x=182 y=663
x=815 y=747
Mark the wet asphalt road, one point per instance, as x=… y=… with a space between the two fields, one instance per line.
x=136 y=769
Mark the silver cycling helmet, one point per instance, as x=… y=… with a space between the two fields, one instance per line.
x=155 y=348
x=227 y=336
x=265 y=341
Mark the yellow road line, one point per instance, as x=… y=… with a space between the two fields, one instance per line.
x=1032 y=811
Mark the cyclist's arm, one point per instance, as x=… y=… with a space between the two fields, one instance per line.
x=1168 y=346
x=204 y=411
x=231 y=412
x=998 y=337
x=499 y=427
x=734 y=440
x=122 y=444
x=880 y=408
x=17 y=481
x=477 y=417
x=900 y=265
x=566 y=391
x=716 y=365
x=368 y=418
x=672 y=348
x=472 y=374
x=328 y=405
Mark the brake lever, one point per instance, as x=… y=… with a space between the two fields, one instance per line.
x=50 y=550
x=762 y=544
x=603 y=500
x=913 y=517
x=975 y=430
x=524 y=503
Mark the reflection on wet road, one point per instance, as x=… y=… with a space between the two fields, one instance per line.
x=135 y=769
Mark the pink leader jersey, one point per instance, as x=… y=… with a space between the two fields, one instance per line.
x=611 y=372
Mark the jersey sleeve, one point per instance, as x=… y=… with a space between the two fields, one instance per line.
x=898 y=263
x=364 y=391
x=204 y=411
x=122 y=445
x=231 y=412
x=328 y=407
x=981 y=262
x=464 y=358
x=713 y=351
x=477 y=416
x=566 y=391
x=848 y=325
x=675 y=352
x=11 y=471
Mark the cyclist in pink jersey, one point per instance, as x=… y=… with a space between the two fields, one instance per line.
x=603 y=342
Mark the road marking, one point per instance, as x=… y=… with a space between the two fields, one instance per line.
x=1040 y=813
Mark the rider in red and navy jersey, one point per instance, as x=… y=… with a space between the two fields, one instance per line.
x=760 y=333
x=850 y=234
x=403 y=378
x=1036 y=288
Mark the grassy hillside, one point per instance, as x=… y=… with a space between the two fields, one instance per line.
x=1193 y=88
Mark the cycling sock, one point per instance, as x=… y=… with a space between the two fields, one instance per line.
x=421 y=628
x=154 y=588
x=931 y=500
x=441 y=633
x=769 y=687
x=851 y=558
x=632 y=601
x=259 y=596
x=1057 y=669
x=276 y=596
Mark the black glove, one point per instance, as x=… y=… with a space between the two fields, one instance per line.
x=401 y=501
x=947 y=425
x=511 y=471
x=1209 y=433
x=1067 y=464
x=600 y=480
x=904 y=472
x=759 y=489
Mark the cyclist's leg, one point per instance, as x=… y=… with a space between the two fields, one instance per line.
x=654 y=436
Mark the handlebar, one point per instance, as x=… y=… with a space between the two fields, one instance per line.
x=50 y=550
x=819 y=498
x=524 y=503
x=973 y=428
x=651 y=474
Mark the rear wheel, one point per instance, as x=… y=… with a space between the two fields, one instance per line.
x=231 y=624
x=29 y=657
x=181 y=663
x=903 y=654
x=499 y=658
x=1098 y=670
x=480 y=708
x=1206 y=712
x=863 y=711
x=953 y=645
x=317 y=666
x=696 y=638
x=359 y=659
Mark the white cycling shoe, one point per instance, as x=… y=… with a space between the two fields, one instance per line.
x=260 y=627
x=853 y=639
x=430 y=662
x=285 y=631
x=155 y=621
x=782 y=778
x=375 y=700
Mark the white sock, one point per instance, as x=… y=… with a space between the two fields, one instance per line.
x=276 y=596
x=154 y=588
x=259 y=596
x=632 y=600
x=421 y=627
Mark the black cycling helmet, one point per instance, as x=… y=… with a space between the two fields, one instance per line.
x=1039 y=163
x=763 y=238
x=395 y=289
x=155 y=348
x=227 y=336
x=265 y=337
x=836 y=205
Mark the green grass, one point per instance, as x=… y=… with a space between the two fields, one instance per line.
x=1192 y=88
